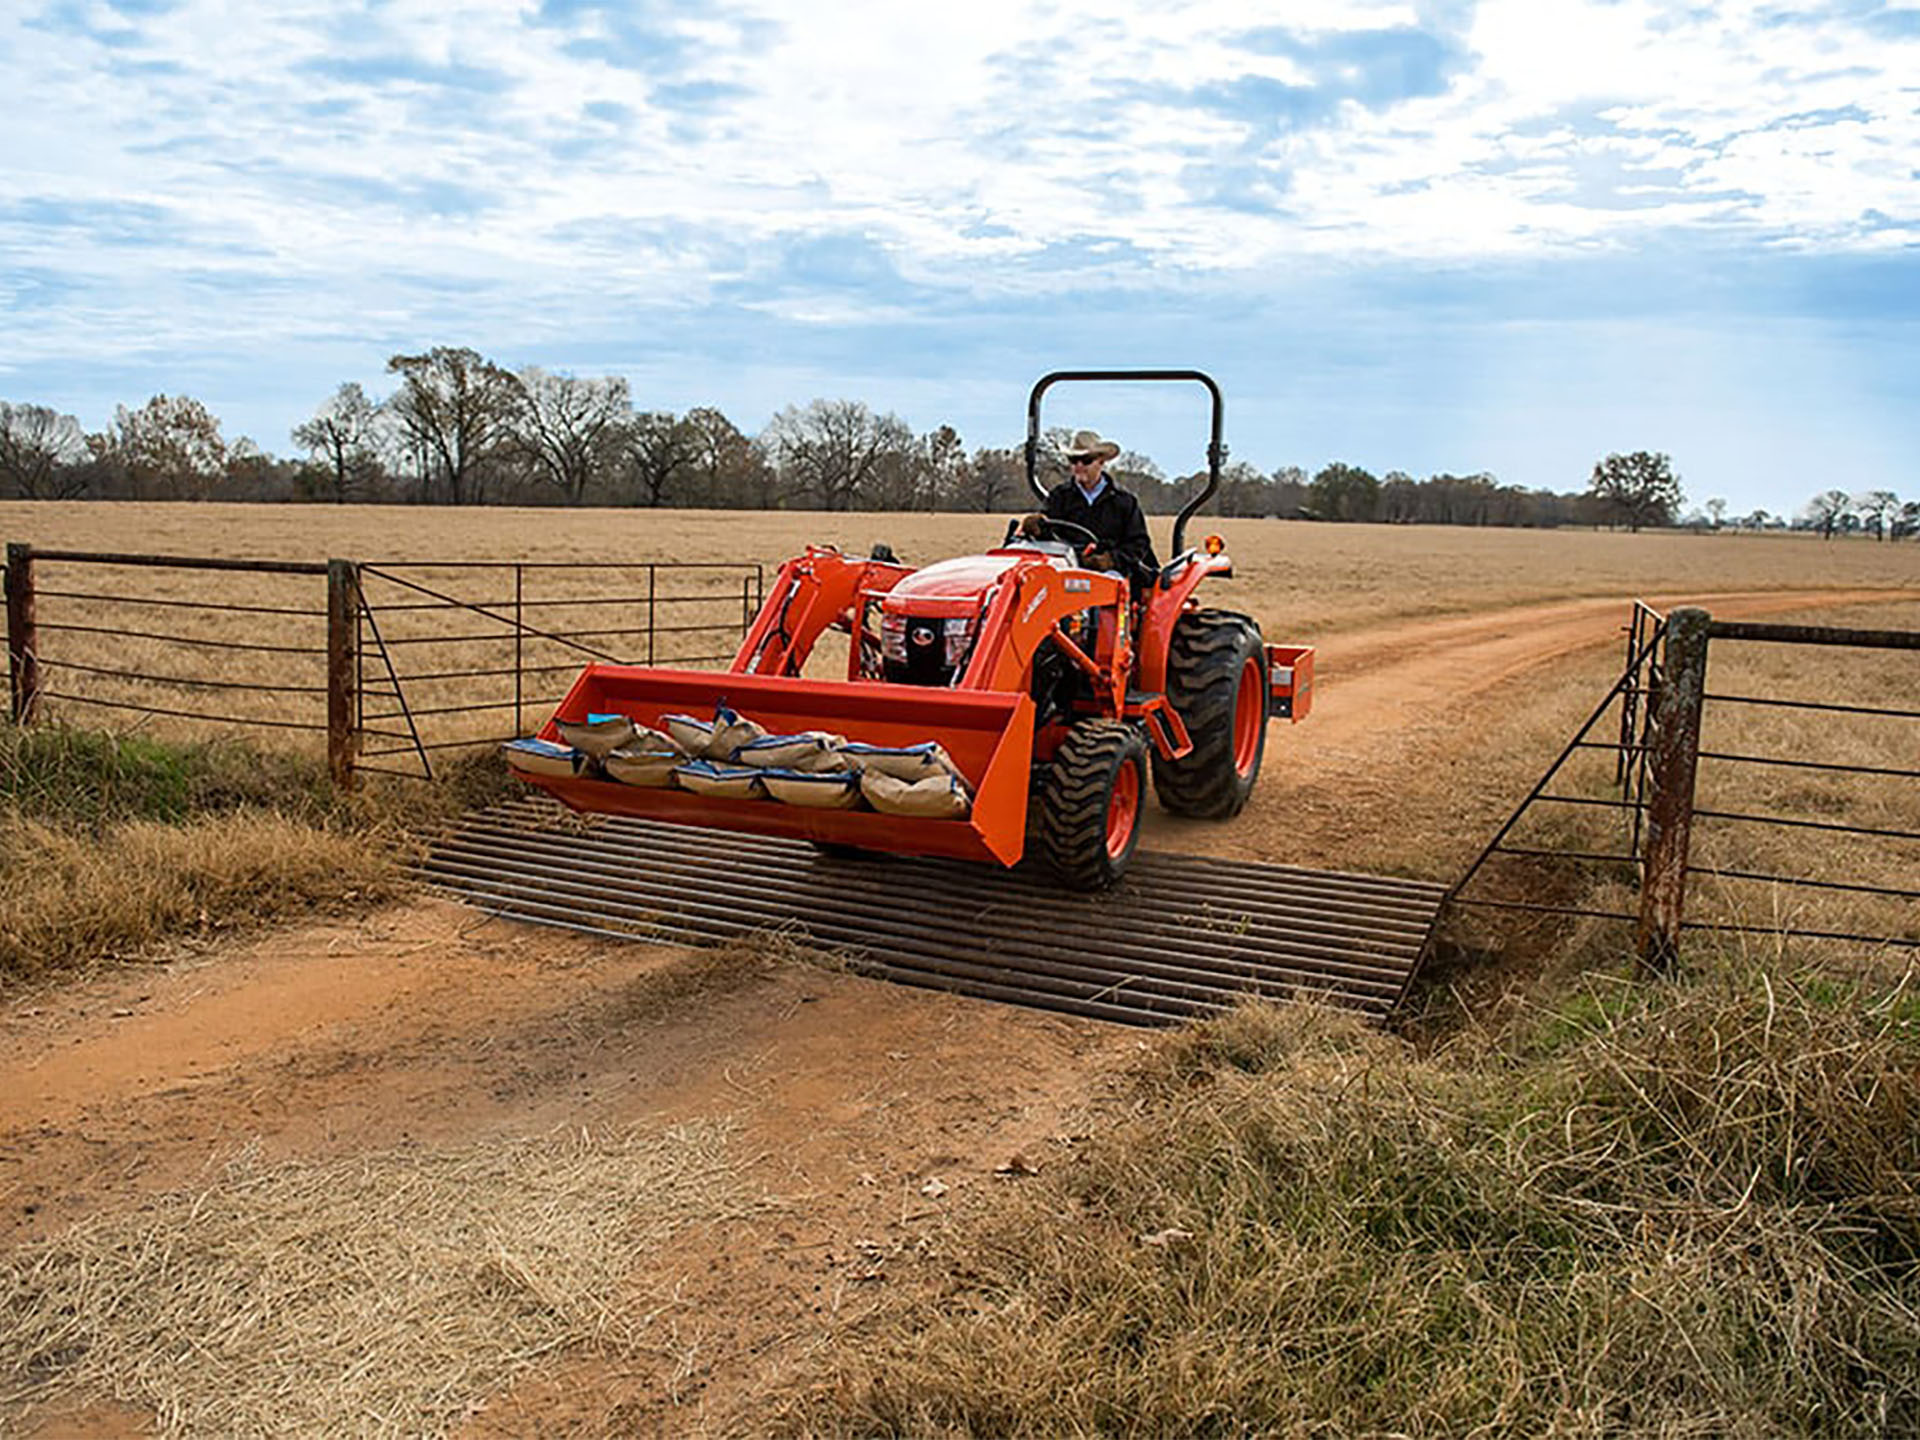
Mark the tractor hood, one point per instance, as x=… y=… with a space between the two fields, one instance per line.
x=958 y=586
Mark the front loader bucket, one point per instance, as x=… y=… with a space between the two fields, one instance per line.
x=988 y=734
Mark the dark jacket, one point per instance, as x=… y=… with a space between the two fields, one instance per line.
x=1115 y=518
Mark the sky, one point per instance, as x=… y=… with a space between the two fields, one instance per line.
x=1449 y=235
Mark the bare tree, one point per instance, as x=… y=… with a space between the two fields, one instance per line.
x=41 y=452
x=659 y=448
x=1875 y=507
x=1245 y=491
x=1827 y=510
x=455 y=410
x=993 y=481
x=169 y=449
x=1717 y=511
x=834 y=450
x=729 y=469
x=942 y=469
x=570 y=427
x=343 y=437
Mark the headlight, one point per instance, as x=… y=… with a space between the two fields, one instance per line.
x=893 y=638
x=959 y=638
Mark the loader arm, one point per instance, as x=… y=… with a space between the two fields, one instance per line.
x=812 y=593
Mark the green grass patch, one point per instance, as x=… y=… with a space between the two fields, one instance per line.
x=59 y=774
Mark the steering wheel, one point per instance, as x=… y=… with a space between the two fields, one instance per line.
x=1069 y=531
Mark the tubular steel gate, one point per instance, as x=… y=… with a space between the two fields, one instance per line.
x=391 y=662
x=1662 y=701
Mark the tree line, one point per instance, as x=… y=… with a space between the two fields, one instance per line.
x=460 y=429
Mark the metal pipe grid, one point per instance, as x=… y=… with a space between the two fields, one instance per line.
x=1180 y=938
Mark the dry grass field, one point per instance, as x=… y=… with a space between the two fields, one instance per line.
x=1561 y=1203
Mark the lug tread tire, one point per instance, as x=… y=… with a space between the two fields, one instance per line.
x=1075 y=799
x=1205 y=657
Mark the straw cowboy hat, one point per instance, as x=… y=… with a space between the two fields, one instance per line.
x=1088 y=445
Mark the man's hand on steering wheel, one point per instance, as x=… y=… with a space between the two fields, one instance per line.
x=1045 y=527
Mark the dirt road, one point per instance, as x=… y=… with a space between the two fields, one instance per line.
x=428 y=1024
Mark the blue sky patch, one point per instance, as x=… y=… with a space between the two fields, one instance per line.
x=1445 y=236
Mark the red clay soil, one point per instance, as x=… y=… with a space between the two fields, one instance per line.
x=430 y=1023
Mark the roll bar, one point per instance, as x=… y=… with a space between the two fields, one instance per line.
x=1216 y=451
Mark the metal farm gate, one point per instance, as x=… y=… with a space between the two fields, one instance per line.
x=388 y=662
x=1651 y=724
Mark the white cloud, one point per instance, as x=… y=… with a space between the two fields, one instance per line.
x=294 y=175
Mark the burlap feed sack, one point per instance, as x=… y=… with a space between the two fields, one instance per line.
x=811 y=750
x=706 y=777
x=645 y=764
x=689 y=732
x=542 y=757
x=598 y=735
x=645 y=737
x=817 y=790
x=939 y=797
x=912 y=763
x=731 y=730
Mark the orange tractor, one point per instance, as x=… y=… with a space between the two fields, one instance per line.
x=1050 y=689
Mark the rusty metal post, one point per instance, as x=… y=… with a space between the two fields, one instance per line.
x=343 y=669
x=23 y=636
x=1674 y=760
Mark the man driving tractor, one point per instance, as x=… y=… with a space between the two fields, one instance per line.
x=1093 y=500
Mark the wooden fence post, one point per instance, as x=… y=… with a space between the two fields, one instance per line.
x=343 y=669
x=23 y=636
x=1675 y=756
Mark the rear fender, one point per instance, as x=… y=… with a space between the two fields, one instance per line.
x=1162 y=611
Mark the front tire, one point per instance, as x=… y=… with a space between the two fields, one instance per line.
x=1090 y=804
x=1217 y=681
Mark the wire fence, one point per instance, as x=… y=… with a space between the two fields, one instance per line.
x=454 y=654
x=389 y=661
x=1677 y=798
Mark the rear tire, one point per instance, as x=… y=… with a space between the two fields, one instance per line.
x=1217 y=682
x=1091 y=801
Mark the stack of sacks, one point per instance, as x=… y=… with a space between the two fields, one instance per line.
x=917 y=780
x=732 y=756
x=711 y=746
x=809 y=768
x=586 y=744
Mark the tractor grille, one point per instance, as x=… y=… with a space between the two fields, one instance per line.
x=1182 y=937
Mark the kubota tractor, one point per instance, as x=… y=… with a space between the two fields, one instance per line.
x=1051 y=687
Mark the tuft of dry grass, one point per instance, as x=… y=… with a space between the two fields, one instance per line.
x=392 y=1294
x=78 y=897
x=1675 y=1210
x=114 y=843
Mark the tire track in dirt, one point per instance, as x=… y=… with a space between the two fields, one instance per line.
x=1379 y=680
x=1394 y=717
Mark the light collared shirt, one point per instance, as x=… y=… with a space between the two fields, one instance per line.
x=1089 y=496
